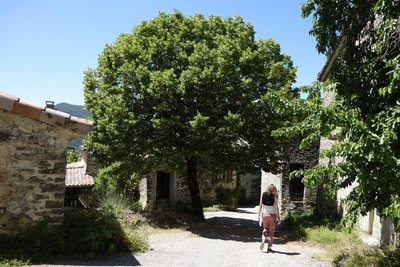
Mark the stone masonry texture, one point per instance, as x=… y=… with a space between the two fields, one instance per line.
x=32 y=172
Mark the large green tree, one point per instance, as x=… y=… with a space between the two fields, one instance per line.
x=188 y=93
x=362 y=39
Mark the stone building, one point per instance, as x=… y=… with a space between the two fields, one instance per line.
x=78 y=185
x=33 y=146
x=376 y=230
x=164 y=188
x=294 y=195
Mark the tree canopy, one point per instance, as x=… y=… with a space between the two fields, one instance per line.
x=366 y=109
x=188 y=93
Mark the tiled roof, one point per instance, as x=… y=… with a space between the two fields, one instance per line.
x=14 y=105
x=76 y=175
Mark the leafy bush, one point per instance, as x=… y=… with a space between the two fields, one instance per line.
x=357 y=257
x=73 y=156
x=293 y=227
x=133 y=224
x=228 y=198
x=83 y=234
x=4 y=262
x=115 y=178
x=112 y=202
x=367 y=256
x=35 y=244
x=390 y=258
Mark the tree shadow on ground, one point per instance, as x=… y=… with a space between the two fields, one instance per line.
x=120 y=259
x=233 y=228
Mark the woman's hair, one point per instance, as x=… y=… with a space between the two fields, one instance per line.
x=272 y=189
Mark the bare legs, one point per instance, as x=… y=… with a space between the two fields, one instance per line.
x=269 y=228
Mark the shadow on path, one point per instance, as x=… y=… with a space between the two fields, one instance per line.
x=230 y=226
x=282 y=252
x=121 y=259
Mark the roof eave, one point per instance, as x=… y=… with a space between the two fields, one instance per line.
x=324 y=73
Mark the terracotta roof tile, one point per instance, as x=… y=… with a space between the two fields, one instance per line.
x=7 y=101
x=54 y=117
x=27 y=110
x=76 y=175
x=78 y=125
x=13 y=104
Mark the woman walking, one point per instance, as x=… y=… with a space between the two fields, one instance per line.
x=270 y=215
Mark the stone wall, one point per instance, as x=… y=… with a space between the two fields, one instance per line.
x=182 y=190
x=32 y=171
x=293 y=155
x=308 y=157
x=179 y=193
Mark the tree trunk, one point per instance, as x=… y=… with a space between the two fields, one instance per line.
x=193 y=184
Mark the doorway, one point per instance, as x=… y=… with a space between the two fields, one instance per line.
x=163 y=181
x=296 y=186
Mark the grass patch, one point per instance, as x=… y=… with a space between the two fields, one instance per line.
x=342 y=247
x=335 y=241
x=355 y=257
x=4 y=262
x=367 y=256
x=213 y=208
x=324 y=232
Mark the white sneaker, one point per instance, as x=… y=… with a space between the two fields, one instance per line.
x=262 y=243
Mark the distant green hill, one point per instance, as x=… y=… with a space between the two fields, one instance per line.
x=77 y=111
x=74 y=110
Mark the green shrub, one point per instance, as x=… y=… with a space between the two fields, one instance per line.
x=83 y=234
x=137 y=239
x=37 y=243
x=391 y=257
x=112 y=202
x=358 y=256
x=89 y=233
x=12 y=262
x=228 y=198
x=367 y=256
x=294 y=227
x=73 y=156
x=115 y=178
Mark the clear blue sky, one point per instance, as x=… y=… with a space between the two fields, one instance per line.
x=46 y=45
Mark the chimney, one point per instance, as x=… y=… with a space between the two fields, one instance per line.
x=50 y=104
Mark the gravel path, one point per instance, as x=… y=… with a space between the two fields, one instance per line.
x=232 y=239
x=228 y=239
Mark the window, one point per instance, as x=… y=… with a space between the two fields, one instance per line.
x=226 y=176
x=296 y=186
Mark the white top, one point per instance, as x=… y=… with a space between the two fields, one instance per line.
x=269 y=209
